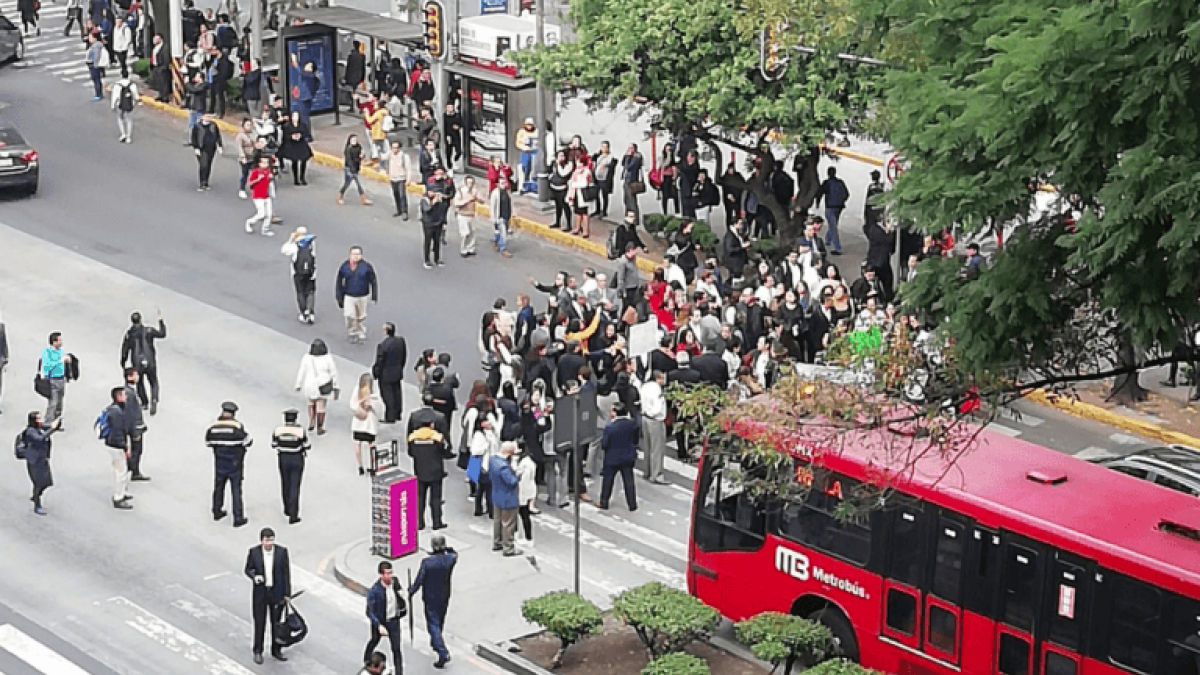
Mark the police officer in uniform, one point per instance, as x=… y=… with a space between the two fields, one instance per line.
x=291 y=442
x=229 y=441
x=429 y=450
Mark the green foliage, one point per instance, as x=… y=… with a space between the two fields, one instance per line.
x=141 y=67
x=764 y=246
x=665 y=619
x=702 y=234
x=677 y=663
x=565 y=615
x=697 y=407
x=839 y=667
x=656 y=222
x=783 y=638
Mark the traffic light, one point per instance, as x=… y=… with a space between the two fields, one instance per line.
x=435 y=29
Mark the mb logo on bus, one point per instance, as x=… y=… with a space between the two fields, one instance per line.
x=795 y=564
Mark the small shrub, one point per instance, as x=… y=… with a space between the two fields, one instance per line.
x=655 y=222
x=783 y=638
x=565 y=615
x=665 y=619
x=141 y=67
x=678 y=663
x=702 y=234
x=765 y=246
x=839 y=667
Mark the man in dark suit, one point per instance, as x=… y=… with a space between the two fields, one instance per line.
x=712 y=369
x=385 y=608
x=138 y=351
x=433 y=580
x=428 y=448
x=443 y=399
x=620 y=443
x=568 y=365
x=268 y=567
x=390 y=357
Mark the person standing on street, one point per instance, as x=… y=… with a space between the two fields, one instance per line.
x=291 y=444
x=3 y=355
x=400 y=174
x=121 y=44
x=356 y=285
x=500 y=206
x=74 y=16
x=115 y=435
x=206 y=140
x=196 y=94
x=137 y=425
x=836 y=194
x=124 y=99
x=654 y=426
x=390 y=357
x=428 y=447
x=260 y=183
x=301 y=248
x=620 y=444
x=465 y=201
x=317 y=379
x=631 y=179
x=35 y=444
x=385 y=607
x=229 y=441
x=138 y=351
x=96 y=59
x=352 y=157
x=247 y=149
x=268 y=566
x=433 y=580
x=295 y=148
x=504 y=499
x=434 y=206
x=54 y=368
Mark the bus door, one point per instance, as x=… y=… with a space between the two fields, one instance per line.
x=905 y=574
x=1022 y=575
x=1066 y=606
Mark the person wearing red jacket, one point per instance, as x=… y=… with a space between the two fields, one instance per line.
x=259 y=184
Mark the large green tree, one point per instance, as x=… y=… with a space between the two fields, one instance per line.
x=698 y=62
x=1097 y=97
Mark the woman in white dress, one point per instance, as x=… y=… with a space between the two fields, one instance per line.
x=366 y=404
x=318 y=380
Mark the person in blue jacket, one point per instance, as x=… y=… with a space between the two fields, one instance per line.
x=433 y=580
x=504 y=499
x=620 y=444
x=385 y=607
x=307 y=86
x=35 y=444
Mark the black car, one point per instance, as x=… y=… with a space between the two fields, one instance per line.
x=12 y=43
x=18 y=161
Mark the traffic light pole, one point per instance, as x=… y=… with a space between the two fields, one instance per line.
x=543 y=158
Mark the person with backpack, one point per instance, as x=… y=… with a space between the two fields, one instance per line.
x=137 y=351
x=300 y=247
x=137 y=426
x=33 y=446
x=113 y=428
x=124 y=100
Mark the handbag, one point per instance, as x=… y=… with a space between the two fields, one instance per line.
x=656 y=178
x=464 y=457
x=473 y=466
x=19 y=446
x=291 y=627
x=590 y=193
x=326 y=389
x=637 y=187
x=41 y=385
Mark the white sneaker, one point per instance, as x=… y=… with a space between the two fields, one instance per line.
x=303 y=318
x=268 y=232
x=249 y=228
x=241 y=194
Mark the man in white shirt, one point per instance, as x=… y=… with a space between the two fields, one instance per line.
x=654 y=426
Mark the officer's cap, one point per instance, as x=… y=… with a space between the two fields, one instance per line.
x=291 y=414
x=229 y=407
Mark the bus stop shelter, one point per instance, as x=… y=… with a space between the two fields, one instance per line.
x=315 y=39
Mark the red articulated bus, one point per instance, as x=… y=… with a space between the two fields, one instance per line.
x=1019 y=560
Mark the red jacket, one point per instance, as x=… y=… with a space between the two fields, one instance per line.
x=259 y=183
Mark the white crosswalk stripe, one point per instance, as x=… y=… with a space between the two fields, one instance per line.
x=61 y=55
x=1093 y=452
x=37 y=655
x=176 y=640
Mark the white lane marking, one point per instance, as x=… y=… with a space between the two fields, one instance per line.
x=1093 y=452
x=645 y=535
x=1021 y=418
x=175 y=640
x=1126 y=439
x=664 y=573
x=199 y=607
x=39 y=657
x=683 y=469
x=67 y=67
x=218 y=575
x=59 y=48
x=1007 y=431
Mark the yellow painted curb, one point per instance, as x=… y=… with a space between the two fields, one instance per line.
x=1105 y=416
x=533 y=227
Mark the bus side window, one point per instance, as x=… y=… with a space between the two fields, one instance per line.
x=906 y=559
x=1134 y=628
x=948 y=567
x=1068 y=602
x=1183 y=636
x=983 y=572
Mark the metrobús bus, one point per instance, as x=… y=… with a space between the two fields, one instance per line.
x=1018 y=561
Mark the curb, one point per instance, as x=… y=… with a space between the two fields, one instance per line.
x=531 y=226
x=1105 y=416
x=510 y=662
x=339 y=557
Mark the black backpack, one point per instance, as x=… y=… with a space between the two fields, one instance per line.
x=306 y=263
x=125 y=103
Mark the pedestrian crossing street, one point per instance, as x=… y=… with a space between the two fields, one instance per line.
x=51 y=51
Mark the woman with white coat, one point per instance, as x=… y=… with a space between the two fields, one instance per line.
x=317 y=380
x=366 y=404
x=526 y=470
x=485 y=441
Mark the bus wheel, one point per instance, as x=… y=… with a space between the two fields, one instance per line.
x=843 y=632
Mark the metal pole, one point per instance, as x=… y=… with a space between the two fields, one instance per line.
x=577 y=462
x=256 y=31
x=543 y=178
x=175 y=24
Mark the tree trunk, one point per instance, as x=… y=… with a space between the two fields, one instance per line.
x=1126 y=389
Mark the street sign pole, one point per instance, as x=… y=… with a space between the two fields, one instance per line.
x=577 y=464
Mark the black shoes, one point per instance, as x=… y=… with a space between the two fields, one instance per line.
x=240 y=522
x=278 y=656
x=440 y=526
x=258 y=659
x=441 y=662
x=123 y=504
x=141 y=477
x=220 y=514
x=293 y=520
